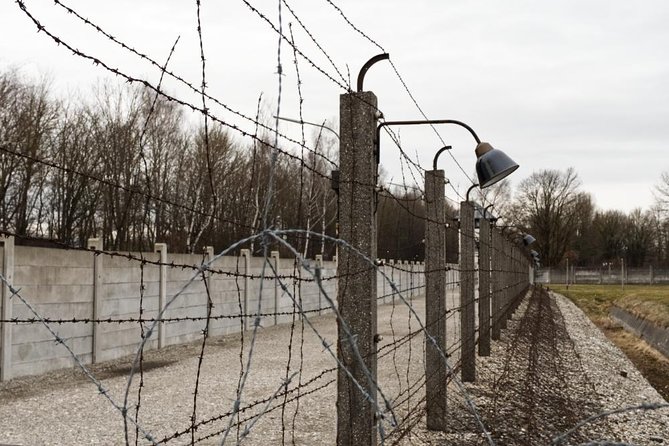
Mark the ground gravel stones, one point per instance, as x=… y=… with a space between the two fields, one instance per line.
x=551 y=369
x=617 y=383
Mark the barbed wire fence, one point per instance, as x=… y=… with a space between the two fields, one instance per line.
x=280 y=348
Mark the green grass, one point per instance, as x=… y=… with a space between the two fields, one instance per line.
x=648 y=301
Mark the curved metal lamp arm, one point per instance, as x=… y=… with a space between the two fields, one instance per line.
x=367 y=66
x=469 y=190
x=436 y=156
x=427 y=121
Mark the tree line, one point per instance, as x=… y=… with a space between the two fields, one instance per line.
x=129 y=167
x=551 y=205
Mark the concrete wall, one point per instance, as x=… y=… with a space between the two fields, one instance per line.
x=656 y=336
x=61 y=284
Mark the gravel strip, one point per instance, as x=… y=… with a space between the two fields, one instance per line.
x=617 y=382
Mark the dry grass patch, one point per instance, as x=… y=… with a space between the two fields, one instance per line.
x=650 y=302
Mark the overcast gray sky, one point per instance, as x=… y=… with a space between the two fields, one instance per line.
x=553 y=83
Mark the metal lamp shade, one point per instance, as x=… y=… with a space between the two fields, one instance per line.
x=535 y=255
x=528 y=240
x=492 y=165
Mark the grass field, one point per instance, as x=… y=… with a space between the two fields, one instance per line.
x=649 y=302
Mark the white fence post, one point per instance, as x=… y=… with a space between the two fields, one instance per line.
x=274 y=255
x=209 y=283
x=246 y=255
x=161 y=248
x=98 y=265
x=6 y=328
x=319 y=266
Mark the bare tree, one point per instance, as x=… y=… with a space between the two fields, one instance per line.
x=28 y=117
x=499 y=196
x=639 y=236
x=72 y=195
x=548 y=205
x=661 y=192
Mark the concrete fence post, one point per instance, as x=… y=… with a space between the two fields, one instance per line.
x=334 y=297
x=391 y=262
x=274 y=258
x=358 y=167
x=496 y=284
x=504 y=267
x=246 y=256
x=209 y=280
x=161 y=248
x=467 y=311
x=384 y=269
x=412 y=284
x=436 y=372
x=398 y=284
x=98 y=266
x=319 y=273
x=209 y=254
x=512 y=279
x=452 y=242
x=484 y=288
x=6 y=327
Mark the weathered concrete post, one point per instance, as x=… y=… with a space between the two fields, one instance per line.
x=467 y=277
x=6 y=327
x=384 y=280
x=98 y=265
x=161 y=248
x=496 y=284
x=356 y=414
x=484 y=288
x=209 y=283
x=274 y=258
x=246 y=255
x=435 y=300
x=530 y=267
x=504 y=268
x=391 y=262
x=452 y=242
x=319 y=273
x=511 y=303
x=410 y=277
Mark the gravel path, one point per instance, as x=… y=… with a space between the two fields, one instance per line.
x=617 y=383
x=63 y=408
